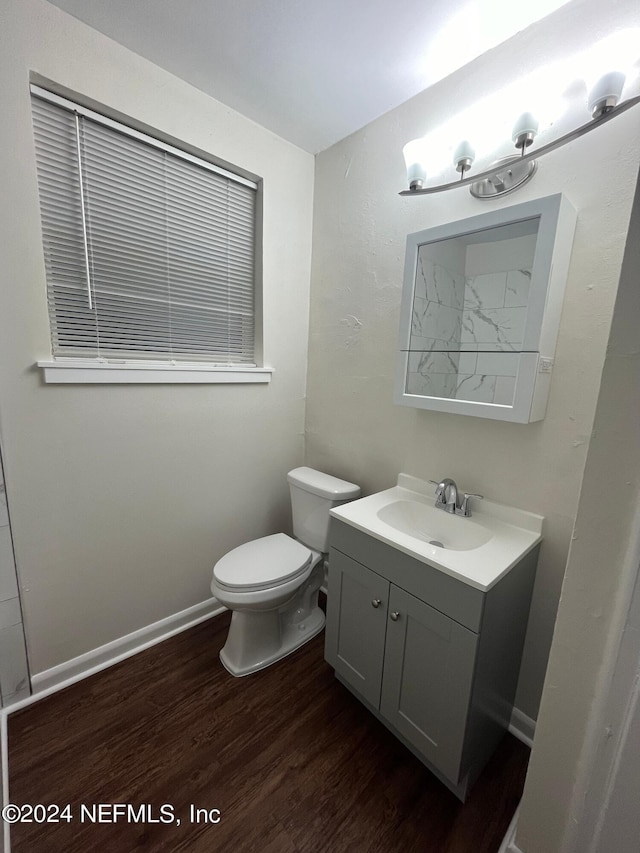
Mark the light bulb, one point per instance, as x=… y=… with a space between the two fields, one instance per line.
x=415 y=159
x=524 y=130
x=463 y=156
x=606 y=92
x=607 y=64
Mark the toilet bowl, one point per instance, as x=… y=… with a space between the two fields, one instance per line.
x=268 y=585
x=271 y=584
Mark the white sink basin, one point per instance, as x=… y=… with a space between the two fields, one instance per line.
x=433 y=526
x=478 y=550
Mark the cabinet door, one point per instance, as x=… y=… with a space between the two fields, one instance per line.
x=428 y=674
x=356 y=625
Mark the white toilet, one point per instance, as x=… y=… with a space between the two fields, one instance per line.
x=271 y=584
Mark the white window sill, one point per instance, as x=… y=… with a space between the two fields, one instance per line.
x=89 y=371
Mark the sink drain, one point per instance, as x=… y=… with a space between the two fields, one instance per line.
x=436 y=543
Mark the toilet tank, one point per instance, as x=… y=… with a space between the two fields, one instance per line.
x=313 y=494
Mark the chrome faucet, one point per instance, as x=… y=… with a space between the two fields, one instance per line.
x=446 y=494
x=448 y=498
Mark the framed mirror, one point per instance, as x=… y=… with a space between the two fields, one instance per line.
x=480 y=311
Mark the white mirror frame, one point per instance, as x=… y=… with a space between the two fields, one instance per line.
x=557 y=221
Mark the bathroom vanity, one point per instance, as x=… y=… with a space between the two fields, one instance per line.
x=432 y=648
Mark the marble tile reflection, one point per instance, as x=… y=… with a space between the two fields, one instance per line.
x=485 y=291
x=505 y=390
x=466 y=332
x=436 y=283
x=420 y=344
x=498 y=363
x=433 y=320
x=477 y=388
x=503 y=327
x=517 y=289
x=467 y=363
x=433 y=385
x=433 y=362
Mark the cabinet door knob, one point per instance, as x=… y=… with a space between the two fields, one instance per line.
x=376 y=602
x=394 y=615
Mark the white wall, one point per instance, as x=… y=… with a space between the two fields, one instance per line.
x=360 y=227
x=123 y=497
x=580 y=732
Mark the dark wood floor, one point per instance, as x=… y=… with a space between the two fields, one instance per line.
x=292 y=760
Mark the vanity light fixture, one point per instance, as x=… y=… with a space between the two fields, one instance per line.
x=512 y=172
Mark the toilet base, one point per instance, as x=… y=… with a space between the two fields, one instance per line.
x=257 y=639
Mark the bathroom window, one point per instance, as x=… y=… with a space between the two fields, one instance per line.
x=150 y=253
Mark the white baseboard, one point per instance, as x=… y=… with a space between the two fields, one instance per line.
x=522 y=727
x=508 y=842
x=50 y=680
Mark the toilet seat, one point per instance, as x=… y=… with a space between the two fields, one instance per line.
x=262 y=563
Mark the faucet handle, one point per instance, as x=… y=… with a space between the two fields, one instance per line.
x=464 y=506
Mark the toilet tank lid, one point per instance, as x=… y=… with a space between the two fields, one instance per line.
x=323 y=485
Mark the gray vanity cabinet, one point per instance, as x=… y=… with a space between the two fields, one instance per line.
x=435 y=659
x=428 y=671
x=358 y=641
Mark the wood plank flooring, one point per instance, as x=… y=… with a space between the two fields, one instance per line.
x=292 y=760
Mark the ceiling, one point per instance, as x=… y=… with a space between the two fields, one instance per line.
x=312 y=71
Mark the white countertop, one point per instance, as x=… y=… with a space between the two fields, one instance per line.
x=478 y=550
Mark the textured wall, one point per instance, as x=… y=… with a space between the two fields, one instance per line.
x=582 y=714
x=360 y=227
x=123 y=497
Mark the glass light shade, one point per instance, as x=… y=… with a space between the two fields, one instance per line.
x=606 y=66
x=524 y=130
x=606 y=92
x=415 y=159
x=464 y=155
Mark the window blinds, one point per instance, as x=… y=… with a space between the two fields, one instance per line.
x=148 y=254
